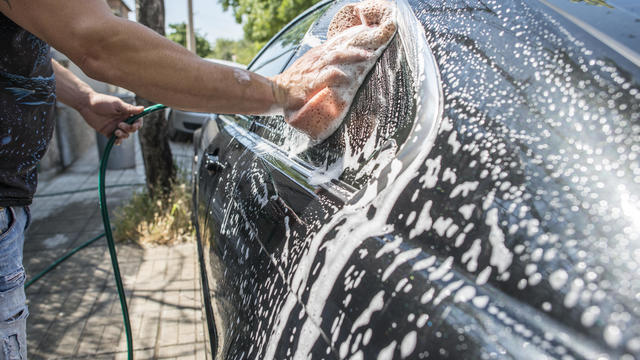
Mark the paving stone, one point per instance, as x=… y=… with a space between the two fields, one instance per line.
x=181 y=351
x=137 y=354
x=75 y=310
x=87 y=346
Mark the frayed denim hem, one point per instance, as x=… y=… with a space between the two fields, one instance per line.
x=13 y=324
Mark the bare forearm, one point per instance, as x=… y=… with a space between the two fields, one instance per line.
x=70 y=90
x=130 y=55
x=160 y=70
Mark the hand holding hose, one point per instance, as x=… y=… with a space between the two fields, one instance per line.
x=107 y=114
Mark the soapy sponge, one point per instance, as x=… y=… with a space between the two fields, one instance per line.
x=357 y=36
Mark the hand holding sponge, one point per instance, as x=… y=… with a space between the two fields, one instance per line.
x=321 y=84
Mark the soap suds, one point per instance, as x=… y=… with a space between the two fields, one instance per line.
x=242 y=76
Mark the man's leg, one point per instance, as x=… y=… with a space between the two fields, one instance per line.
x=13 y=309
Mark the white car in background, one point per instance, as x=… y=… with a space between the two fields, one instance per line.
x=181 y=124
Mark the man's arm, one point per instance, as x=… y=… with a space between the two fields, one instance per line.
x=102 y=112
x=127 y=54
x=130 y=55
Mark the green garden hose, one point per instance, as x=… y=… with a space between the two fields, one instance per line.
x=107 y=233
x=60 y=260
x=107 y=227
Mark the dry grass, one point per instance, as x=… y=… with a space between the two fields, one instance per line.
x=160 y=221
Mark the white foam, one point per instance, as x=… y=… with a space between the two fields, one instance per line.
x=467 y=210
x=408 y=344
x=389 y=247
x=480 y=301
x=422 y=320
x=501 y=257
x=424 y=222
x=612 y=336
x=465 y=294
x=558 y=278
x=441 y=225
x=399 y=260
x=571 y=299
x=447 y=291
x=483 y=277
x=464 y=189
x=471 y=256
x=590 y=315
x=427 y=296
x=322 y=176
x=387 y=352
x=376 y=304
x=443 y=269
x=634 y=344
x=424 y=263
x=430 y=176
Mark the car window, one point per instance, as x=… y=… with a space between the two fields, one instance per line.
x=378 y=123
x=275 y=56
x=273 y=59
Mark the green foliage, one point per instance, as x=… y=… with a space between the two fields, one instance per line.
x=179 y=35
x=157 y=221
x=594 y=2
x=240 y=51
x=264 y=18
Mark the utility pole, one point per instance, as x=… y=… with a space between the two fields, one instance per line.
x=191 y=35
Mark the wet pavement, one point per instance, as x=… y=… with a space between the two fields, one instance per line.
x=74 y=310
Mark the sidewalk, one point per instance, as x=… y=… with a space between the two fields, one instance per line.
x=75 y=310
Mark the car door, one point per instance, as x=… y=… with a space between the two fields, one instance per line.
x=487 y=244
x=278 y=189
x=239 y=211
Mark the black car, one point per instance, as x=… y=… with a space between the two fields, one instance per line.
x=481 y=200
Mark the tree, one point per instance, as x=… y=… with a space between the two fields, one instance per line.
x=240 y=51
x=264 y=18
x=158 y=161
x=179 y=35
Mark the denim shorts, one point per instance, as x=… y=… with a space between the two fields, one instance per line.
x=13 y=308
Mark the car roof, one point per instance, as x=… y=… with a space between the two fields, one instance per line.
x=616 y=23
x=226 y=62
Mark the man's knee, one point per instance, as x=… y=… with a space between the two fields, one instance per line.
x=13 y=334
x=13 y=316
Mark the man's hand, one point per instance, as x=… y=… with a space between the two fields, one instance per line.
x=129 y=55
x=317 y=89
x=107 y=113
x=102 y=112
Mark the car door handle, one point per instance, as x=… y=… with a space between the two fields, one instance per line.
x=212 y=163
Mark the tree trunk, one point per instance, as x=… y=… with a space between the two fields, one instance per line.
x=158 y=161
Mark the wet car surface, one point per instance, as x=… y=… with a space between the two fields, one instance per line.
x=480 y=200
